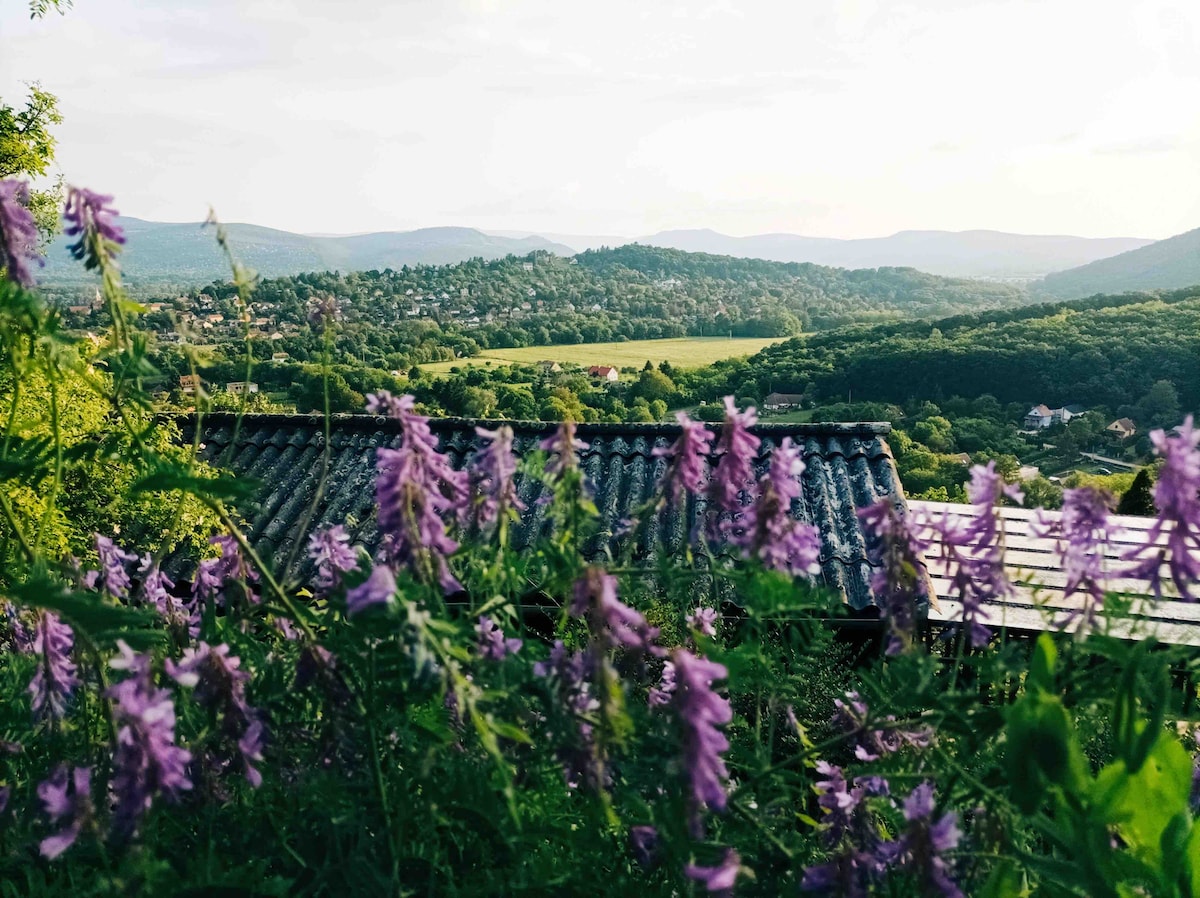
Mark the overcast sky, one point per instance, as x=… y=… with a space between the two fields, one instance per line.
x=624 y=117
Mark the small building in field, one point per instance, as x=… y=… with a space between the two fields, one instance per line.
x=604 y=372
x=241 y=387
x=779 y=401
x=1123 y=428
x=549 y=366
x=189 y=383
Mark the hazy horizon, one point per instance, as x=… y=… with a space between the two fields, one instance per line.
x=840 y=120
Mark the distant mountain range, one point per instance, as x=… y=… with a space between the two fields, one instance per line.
x=1166 y=265
x=188 y=253
x=979 y=254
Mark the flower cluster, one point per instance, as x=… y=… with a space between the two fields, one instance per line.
x=1083 y=530
x=874 y=739
x=219 y=684
x=734 y=475
x=147 y=762
x=899 y=581
x=492 y=643
x=18 y=233
x=212 y=574
x=701 y=711
x=688 y=459
x=330 y=550
x=973 y=550
x=55 y=679
x=66 y=800
x=563 y=447
x=416 y=491
x=771 y=533
x=90 y=217
x=113 y=574
x=568 y=675
x=612 y=623
x=1177 y=497
x=492 y=477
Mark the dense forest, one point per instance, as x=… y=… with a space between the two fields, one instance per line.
x=1106 y=351
x=395 y=319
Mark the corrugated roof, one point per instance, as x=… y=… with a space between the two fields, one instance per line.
x=848 y=466
x=1033 y=563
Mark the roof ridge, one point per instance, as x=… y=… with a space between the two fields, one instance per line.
x=382 y=422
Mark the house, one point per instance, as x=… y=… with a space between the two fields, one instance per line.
x=778 y=401
x=527 y=266
x=604 y=372
x=285 y=455
x=190 y=383
x=1040 y=416
x=1123 y=428
x=550 y=366
x=279 y=357
x=241 y=387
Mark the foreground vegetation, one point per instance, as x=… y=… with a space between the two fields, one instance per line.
x=451 y=716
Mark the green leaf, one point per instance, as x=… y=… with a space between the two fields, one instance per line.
x=177 y=478
x=1005 y=882
x=1141 y=805
x=1041 y=666
x=88 y=613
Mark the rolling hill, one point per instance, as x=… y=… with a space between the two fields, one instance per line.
x=979 y=254
x=188 y=253
x=1166 y=265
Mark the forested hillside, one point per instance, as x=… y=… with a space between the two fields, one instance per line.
x=397 y=318
x=1166 y=265
x=1103 y=351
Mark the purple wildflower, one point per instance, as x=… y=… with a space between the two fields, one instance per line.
x=923 y=845
x=875 y=739
x=492 y=476
x=1082 y=529
x=329 y=548
x=612 y=623
x=688 y=458
x=213 y=573
x=89 y=216
x=899 y=580
x=15 y=630
x=704 y=620
x=770 y=532
x=734 y=474
x=1177 y=496
x=973 y=554
x=492 y=644
x=416 y=489
x=156 y=591
x=18 y=233
x=147 y=762
x=701 y=711
x=719 y=879
x=644 y=842
x=660 y=695
x=55 y=678
x=66 y=799
x=577 y=751
x=838 y=801
x=219 y=685
x=562 y=446
x=377 y=589
x=112 y=566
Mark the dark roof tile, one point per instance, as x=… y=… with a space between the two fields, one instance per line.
x=848 y=466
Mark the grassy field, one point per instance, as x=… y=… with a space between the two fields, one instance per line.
x=685 y=352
